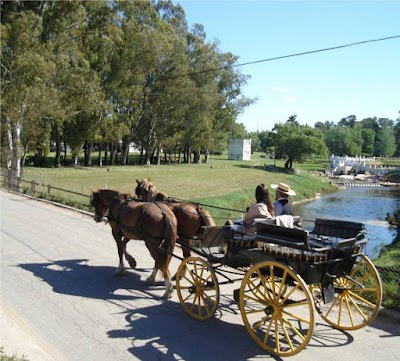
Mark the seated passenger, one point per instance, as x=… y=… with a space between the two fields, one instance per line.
x=263 y=208
x=282 y=205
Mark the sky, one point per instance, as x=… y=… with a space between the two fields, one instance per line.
x=361 y=80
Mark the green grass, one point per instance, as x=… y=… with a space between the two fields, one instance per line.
x=4 y=357
x=220 y=183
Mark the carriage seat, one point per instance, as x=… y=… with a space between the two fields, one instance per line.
x=339 y=233
x=289 y=237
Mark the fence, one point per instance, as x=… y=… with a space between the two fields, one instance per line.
x=388 y=264
x=45 y=191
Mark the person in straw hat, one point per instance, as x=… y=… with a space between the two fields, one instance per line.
x=282 y=205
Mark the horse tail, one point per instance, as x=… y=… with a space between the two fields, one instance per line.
x=205 y=216
x=171 y=234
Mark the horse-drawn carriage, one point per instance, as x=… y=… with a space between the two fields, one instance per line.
x=285 y=273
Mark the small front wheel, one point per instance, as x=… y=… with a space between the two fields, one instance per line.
x=277 y=308
x=197 y=288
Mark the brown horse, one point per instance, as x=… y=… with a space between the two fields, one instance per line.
x=190 y=216
x=154 y=223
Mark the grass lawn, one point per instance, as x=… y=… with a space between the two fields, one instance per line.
x=221 y=183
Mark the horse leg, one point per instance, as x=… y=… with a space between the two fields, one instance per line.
x=160 y=264
x=169 y=287
x=128 y=257
x=152 y=278
x=185 y=252
x=121 y=245
x=121 y=248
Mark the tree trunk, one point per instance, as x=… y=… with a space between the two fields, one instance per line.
x=197 y=159
x=113 y=152
x=65 y=154
x=289 y=164
x=125 y=153
x=13 y=154
x=88 y=153
x=100 y=159
x=57 y=158
x=206 y=156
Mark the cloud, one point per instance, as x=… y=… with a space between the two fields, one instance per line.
x=290 y=99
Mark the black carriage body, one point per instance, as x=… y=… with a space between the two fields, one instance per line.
x=320 y=256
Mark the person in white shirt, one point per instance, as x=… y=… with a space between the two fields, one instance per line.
x=282 y=205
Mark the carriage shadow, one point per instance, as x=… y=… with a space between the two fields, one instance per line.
x=71 y=277
x=166 y=332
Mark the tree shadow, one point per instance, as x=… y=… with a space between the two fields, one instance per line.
x=387 y=323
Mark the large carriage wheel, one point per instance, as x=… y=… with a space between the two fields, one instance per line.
x=357 y=297
x=277 y=308
x=197 y=287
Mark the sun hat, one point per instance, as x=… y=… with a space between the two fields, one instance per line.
x=284 y=188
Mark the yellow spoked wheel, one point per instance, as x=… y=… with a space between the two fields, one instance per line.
x=277 y=308
x=357 y=297
x=197 y=288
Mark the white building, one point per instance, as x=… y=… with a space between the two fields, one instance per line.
x=239 y=149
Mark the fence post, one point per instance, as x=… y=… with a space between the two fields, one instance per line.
x=33 y=186
x=49 y=189
x=9 y=174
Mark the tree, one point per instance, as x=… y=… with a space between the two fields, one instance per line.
x=296 y=142
x=397 y=135
x=386 y=143
x=27 y=101
x=349 y=121
x=368 y=141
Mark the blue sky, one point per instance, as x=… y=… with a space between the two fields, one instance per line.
x=362 y=80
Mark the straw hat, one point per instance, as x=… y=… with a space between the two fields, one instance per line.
x=284 y=188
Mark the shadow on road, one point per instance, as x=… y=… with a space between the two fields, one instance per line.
x=162 y=330
x=75 y=277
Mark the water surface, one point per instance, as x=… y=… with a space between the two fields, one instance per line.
x=369 y=205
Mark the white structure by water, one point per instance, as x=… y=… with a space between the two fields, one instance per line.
x=354 y=166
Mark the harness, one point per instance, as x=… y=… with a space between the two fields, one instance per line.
x=138 y=227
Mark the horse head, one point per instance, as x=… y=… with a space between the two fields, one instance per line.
x=146 y=190
x=101 y=201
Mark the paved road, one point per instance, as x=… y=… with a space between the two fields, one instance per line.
x=60 y=300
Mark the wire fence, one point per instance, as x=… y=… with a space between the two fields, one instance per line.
x=387 y=264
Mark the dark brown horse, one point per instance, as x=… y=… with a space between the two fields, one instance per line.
x=191 y=217
x=154 y=223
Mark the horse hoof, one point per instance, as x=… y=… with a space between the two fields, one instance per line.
x=167 y=295
x=150 y=281
x=118 y=272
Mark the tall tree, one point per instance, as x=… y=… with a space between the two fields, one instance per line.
x=386 y=143
x=27 y=101
x=296 y=142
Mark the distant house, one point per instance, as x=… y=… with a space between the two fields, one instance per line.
x=239 y=149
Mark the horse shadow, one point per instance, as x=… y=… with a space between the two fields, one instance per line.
x=76 y=277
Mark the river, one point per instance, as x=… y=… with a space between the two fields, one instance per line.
x=369 y=205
